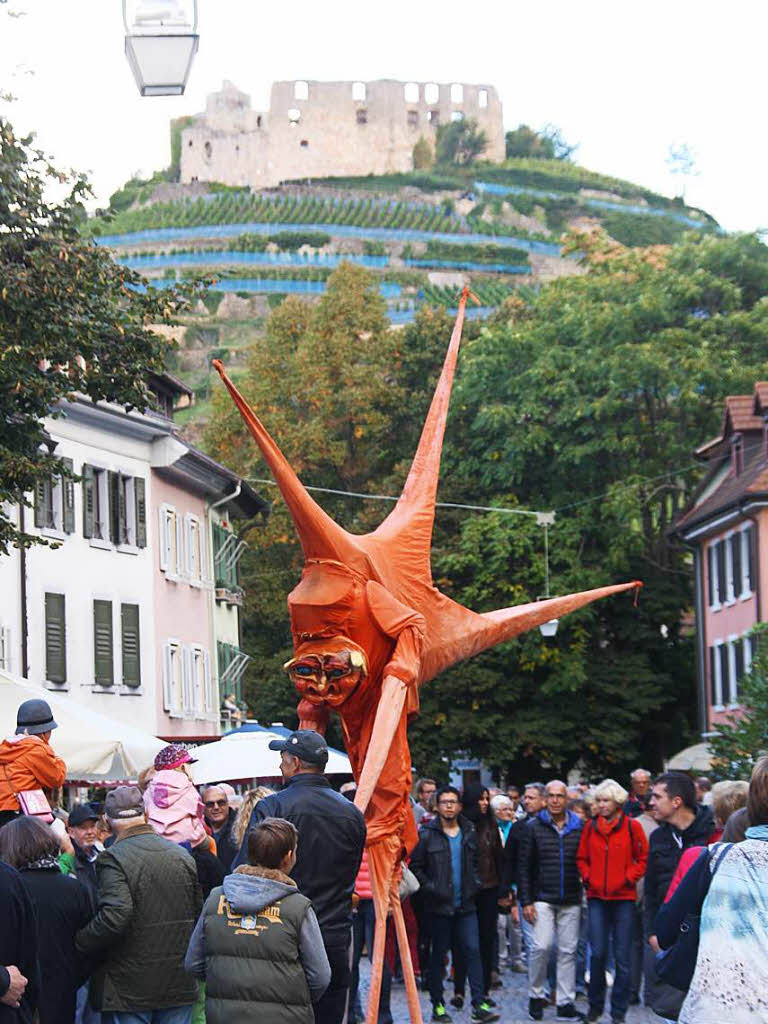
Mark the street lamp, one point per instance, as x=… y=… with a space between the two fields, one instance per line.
x=547 y=629
x=161 y=41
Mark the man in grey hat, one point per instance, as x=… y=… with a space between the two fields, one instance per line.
x=331 y=840
x=27 y=760
x=149 y=901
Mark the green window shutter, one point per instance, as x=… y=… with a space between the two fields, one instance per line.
x=89 y=501
x=55 y=639
x=129 y=619
x=113 y=492
x=104 y=672
x=139 y=491
x=68 y=499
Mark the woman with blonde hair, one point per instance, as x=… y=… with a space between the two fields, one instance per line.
x=250 y=799
x=612 y=857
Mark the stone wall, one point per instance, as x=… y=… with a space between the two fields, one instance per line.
x=323 y=129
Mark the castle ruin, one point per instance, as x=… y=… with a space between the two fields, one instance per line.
x=327 y=129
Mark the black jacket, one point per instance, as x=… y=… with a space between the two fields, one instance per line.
x=331 y=840
x=511 y=856
x=226 y=847
x=85 y=872
x=210 y=870
x=431 y=863
x=149 y=901
x=62 y=907
x=18 y=944
x=547 y=869
x=665 y=848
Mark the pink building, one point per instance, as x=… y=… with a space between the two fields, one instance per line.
x=727 y=529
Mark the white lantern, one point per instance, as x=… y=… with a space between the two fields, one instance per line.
x=548 y=629
x=161 y=41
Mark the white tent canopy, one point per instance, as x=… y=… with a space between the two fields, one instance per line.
x=96 y=748
x=246 y=755
x=697 y=758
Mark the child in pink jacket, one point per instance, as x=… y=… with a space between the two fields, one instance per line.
x=171 y=802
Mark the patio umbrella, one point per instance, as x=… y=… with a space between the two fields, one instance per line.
x=96 y=748
x=697 y=758
x=246 y=755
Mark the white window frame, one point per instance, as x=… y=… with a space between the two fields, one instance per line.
x=128 y=487
x=6 y=649
x=746 y=591
x=201 y=682
x=713 y=571
x=170 y=547
x=173 y=678
x=194 y=550
x=188 y=683
x=730 y=590
x=717 y=682
x=101 y=538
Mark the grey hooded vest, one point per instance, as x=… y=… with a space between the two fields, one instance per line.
x=253 y=970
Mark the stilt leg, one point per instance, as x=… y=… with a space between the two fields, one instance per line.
x=381 y=874
x=411 y=990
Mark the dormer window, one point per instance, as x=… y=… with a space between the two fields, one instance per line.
x=737 y=454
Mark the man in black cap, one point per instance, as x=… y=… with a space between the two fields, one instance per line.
x=331 y=840
x=82 y=829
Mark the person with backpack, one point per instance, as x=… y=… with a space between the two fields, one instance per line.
x=612 y=857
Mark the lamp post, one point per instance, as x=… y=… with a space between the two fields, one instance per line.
x=547 y=629
x=161 y=41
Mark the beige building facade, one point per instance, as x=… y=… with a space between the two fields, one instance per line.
x=324 y=129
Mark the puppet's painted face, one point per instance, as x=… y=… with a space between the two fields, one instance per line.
x=327 y=672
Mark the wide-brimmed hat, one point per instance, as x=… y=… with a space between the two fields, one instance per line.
x=35 y=716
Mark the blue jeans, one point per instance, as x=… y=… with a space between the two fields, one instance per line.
x=459 y=931
x=171 y=1015
x=610 y=919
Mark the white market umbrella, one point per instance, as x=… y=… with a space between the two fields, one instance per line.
x=96 y=748
x=697 y=758
x=246 y=755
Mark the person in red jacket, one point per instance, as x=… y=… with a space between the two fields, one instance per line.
x=612 y=856
x=27 y=760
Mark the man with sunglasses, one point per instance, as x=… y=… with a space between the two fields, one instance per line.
x=220 y=817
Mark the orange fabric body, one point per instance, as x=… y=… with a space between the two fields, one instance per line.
x=27 y=763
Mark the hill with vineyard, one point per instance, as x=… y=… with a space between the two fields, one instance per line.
x=498 y=228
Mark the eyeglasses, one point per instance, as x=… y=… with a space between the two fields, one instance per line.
x=215 y=803
x=447 y=803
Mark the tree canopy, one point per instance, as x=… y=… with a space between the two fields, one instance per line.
x=72 y=321
x=587 y=399
x=459 y=142
x=547 y=144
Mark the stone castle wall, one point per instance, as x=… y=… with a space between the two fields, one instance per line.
x=323 y=129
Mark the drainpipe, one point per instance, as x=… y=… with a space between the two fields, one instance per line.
x=701 y=652
x=23 y=600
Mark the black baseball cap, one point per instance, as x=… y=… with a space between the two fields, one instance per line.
x=81 y=813
x=306 y=744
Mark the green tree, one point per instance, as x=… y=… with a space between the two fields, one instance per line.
x=422 y=155
x=547 y=144
x=589 y=400
x=72 y=321
x=459 y=142
x=743 y=739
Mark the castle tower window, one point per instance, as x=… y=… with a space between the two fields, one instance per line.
x=208 y=150
x=433 y=116
x=301 y=91
x=456 y=115
x=258 y=120
x=190 y=142
x=413 y=119
x=411 y=92
x=482 y=98
x=362 y=116
x=457 y=93
x=431 y=93
x=294 y=116
x=358 y=92
x=304 y=144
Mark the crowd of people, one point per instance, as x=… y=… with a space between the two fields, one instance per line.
x=656 y=893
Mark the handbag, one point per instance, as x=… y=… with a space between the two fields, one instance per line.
x=32 y=802
x=676 y=965
x=409 y=883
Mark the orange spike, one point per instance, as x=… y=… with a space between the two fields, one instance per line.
x=320 y=536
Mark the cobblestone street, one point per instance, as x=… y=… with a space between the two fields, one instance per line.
x=511 y=1000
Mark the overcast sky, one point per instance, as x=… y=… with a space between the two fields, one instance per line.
x=623 y=79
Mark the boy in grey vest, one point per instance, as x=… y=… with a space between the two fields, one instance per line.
x=257 y=942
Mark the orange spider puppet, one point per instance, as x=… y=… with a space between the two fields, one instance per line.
x=369 y=627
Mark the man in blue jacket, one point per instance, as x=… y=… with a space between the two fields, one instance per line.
x=331 y=840
x=549 y=891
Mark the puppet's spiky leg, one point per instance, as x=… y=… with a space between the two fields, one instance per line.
x=411 y=990
x=380 y=867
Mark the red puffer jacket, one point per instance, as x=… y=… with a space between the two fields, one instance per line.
x=363 y=880
x=612 y=857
